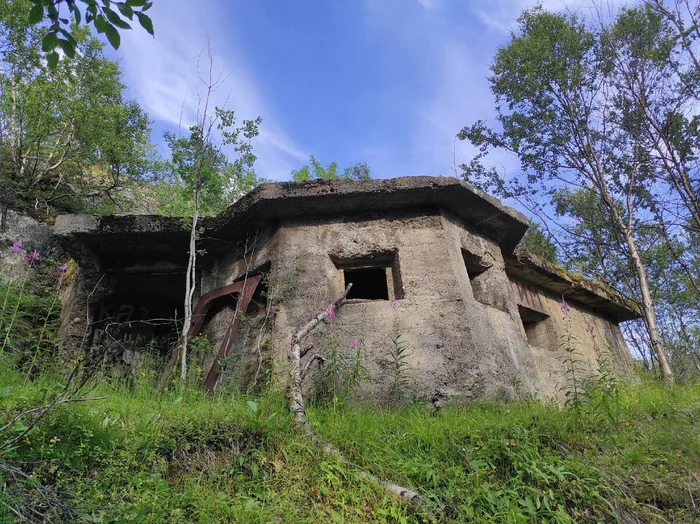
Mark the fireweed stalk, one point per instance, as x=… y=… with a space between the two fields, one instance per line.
x=62 y=269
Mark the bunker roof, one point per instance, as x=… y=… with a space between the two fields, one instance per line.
x=526 y=267
x=121 y=239
x=275 y=201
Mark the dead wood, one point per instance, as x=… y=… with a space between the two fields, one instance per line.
x=297 y=405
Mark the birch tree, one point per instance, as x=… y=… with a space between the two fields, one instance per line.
x=563 y=118
x=206 y=178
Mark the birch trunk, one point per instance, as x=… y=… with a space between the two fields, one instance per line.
x=648 y=310
x=189 y=288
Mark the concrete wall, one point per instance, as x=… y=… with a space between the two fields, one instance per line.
x=466 y=329
x=561 y=326
x=455 y=345
x=464 y=337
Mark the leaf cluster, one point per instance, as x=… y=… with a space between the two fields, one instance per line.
x=107 y=17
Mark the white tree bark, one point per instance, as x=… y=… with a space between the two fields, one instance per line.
x=189 y=288
x=298 y=409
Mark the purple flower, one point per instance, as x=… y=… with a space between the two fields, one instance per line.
x=17 y=248
x=589 y=330
x=33 y=256
x=355 y=344
x=394 y=303
x=331 y=312
x=63 y=267
x=274 y=311
x=564 y=307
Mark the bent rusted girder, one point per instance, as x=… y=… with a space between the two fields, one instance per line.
x=246 y=289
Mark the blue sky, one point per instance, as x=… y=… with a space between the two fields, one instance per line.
x=387 y=82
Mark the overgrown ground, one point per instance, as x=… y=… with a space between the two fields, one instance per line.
x=138 y=456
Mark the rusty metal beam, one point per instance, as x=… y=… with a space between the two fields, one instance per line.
x=246 y=289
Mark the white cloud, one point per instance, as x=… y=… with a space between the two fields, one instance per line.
x=162 y=75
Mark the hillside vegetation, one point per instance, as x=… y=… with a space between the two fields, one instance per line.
x=140 y=456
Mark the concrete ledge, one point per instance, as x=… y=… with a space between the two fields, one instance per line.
x=523 y=266
x=280 y=200
x=276 y=201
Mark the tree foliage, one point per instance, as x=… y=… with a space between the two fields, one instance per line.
x=538 y=242
x=70 y=135
x=107 y=17
x=315 y=170
x=600 y=114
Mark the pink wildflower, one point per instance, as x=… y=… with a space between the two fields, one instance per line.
x=355 y=344
x=274 y=311
x=589 y=330
x=33 y=256
x=17 y=248
x=63 y=267
x=331 y=312
x=394 y=303
x=564 y=307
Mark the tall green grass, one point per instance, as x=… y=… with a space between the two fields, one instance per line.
x=145 y=456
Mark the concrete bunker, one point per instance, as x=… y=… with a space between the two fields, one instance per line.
x=432 y=260
x=141 y=310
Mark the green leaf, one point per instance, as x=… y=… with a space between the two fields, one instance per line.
x=68 y=37
x=113 y=36
x=146 y=23
x=5 y=391
x=177 y=401
x=36 y=14
x=49 y=42
x=100 y=24
x=76 y=13
x=114 y=18
x=126 y=10
x=136 y=3
x=53 y=12
x=253 y=406
x=52 y=60
x=67 y=47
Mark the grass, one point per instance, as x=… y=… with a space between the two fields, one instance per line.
x=140 y=456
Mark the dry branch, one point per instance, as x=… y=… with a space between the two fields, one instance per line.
x=297 y=406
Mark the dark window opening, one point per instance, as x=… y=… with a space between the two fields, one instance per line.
x=474 y=264
x=367 y=283
x=535 y=326
x=374 y=277
x=478 y=273
x=143 y=313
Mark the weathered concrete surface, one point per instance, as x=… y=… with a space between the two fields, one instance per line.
x=34 y=235
x=272 y=202
x=459 y=344
x=526 y=267
x=593 y=336
x=473 y=319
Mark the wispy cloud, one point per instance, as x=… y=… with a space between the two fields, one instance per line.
x=162 y=74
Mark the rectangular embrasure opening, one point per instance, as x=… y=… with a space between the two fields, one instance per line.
x=477 y=271
x=374 y=277
x=534 y=323
x=368 y=283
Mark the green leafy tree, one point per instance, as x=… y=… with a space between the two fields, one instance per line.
x=575 y=133
x=108 y=18
x=315 y=170
x=68 y=133
x=537 y=242
x=207 y=177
